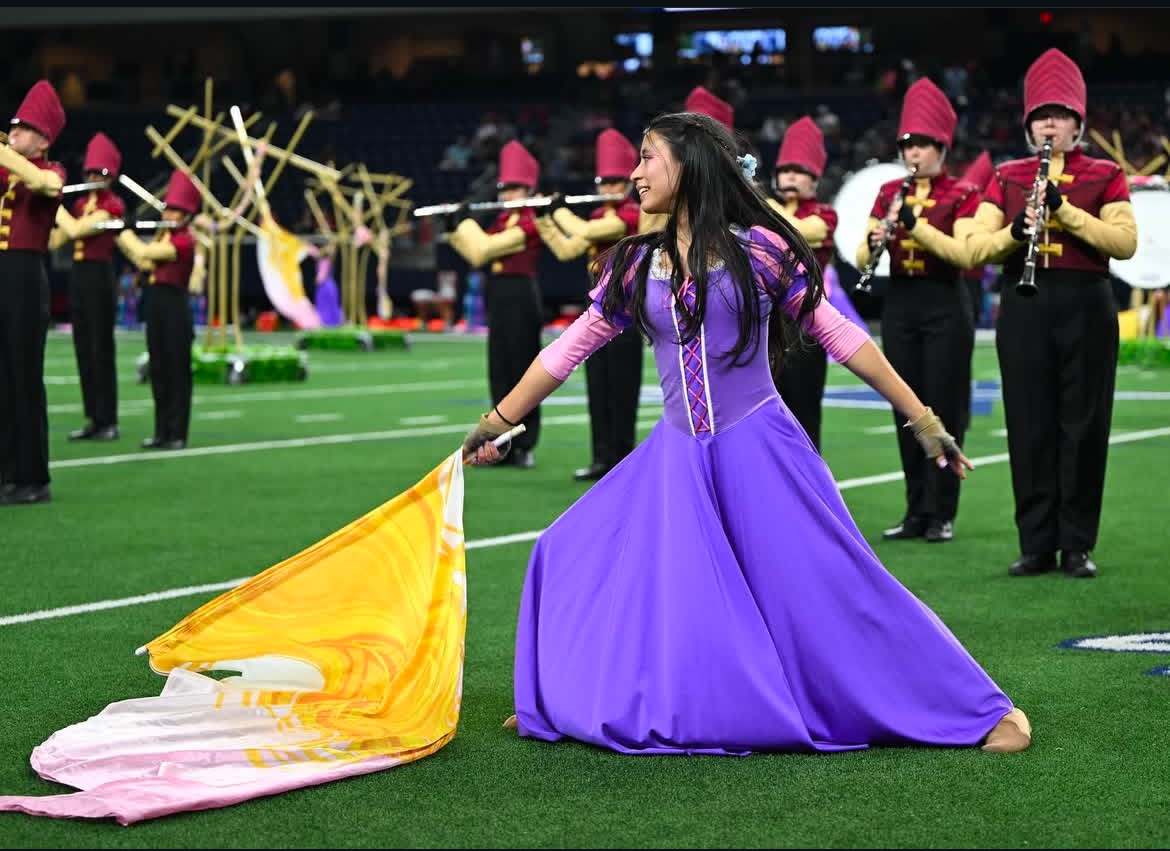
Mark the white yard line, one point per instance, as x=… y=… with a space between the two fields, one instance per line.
x=482 y=543
x=294 y=395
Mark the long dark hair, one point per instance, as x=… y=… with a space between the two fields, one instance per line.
x=716 y=196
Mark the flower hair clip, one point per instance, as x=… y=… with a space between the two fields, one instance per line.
x=747 y=164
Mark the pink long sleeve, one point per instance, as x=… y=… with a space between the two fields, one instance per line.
x=586 y=335
x=840 y=337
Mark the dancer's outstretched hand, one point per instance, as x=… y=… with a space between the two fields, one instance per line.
x=932 y=436
x=478 y=448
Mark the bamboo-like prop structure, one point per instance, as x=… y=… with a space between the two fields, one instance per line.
x=1116 y=152
x=323 y=172
x=375 y=207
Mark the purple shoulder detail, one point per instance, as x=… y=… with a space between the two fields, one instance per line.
x=597 y=294
x=772 y=261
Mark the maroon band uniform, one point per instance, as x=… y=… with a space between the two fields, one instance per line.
x=26 y=219
x=1058 y=348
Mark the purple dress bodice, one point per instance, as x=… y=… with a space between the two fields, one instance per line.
x=702 y=392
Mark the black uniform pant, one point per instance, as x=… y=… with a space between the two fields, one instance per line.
x=928 y=337
x=800 y=381
x=1058 y=358
x=24 y=413
x=93 y=301
x=514 y=319
x=169 y=335
x=613 y=379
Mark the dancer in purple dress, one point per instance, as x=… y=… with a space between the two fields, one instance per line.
x=711 y=594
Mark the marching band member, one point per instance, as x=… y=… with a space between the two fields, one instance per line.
x=1058 y=345
x=93 y=288
x=613 y=376
x=515 y=311
x=702 y=100
x=978 y=173
x=170 y=260
x=927 y=331
x=30 y=193
x=800 y=162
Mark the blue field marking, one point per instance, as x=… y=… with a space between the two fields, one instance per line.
x=983 y=394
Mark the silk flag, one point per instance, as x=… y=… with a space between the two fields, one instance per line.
x=346 y=659
x=279 y=255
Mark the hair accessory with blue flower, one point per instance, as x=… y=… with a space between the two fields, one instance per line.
x=747 y=164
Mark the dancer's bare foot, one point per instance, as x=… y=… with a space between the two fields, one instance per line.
x=511 y=723
x=1012 y=734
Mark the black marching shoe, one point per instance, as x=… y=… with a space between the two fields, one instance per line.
x=940 y=531
x=910 y=527
x=591 y=473
x=84 y=433
x=105 y=433
x=174 y=444
x=522 y=458
x=154 y=443
x=1033 y=564
x=25 y=495
x=1077 y=565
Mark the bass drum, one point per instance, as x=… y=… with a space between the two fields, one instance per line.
x=1149 y=268
x=854 y=202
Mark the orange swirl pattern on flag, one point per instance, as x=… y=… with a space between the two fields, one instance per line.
x=347 y=659
x=377 y=609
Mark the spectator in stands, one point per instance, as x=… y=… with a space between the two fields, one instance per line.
x=457 y=155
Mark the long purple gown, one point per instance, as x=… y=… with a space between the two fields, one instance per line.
x=712 y=594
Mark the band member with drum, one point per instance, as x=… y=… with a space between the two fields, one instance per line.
x=613 y=376
x=800 y=373
x=515 y=312
x=1055 y=222
x=927 y=331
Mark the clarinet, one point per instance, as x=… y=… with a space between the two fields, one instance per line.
x=1027 y=284
x=891 y=221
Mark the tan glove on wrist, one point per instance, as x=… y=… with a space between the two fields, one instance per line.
x=932 y=436
x=483 y=433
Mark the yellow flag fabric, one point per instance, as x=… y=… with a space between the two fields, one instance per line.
x=348 y=658
x=278 y=256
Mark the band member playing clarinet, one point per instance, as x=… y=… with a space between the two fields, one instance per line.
x=511 y=249
x=613 y=376
x=1057 y=331
x=927 y=330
